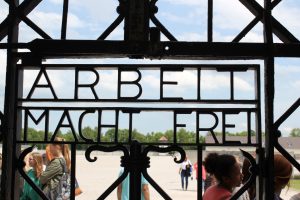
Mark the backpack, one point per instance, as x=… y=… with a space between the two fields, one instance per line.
x=63 y=189
x=188 y=170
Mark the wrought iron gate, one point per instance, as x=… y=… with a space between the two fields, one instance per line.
x=140 y=41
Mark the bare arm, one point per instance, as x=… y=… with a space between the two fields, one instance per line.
x=119 y=191
x=146 y=192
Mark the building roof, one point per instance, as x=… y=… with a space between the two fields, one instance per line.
x=290 y=142
x=163 y=139
x=286 y=142
x=242 y=139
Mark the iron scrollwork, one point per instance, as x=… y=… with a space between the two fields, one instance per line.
x=135 y=161
x=162 y=150
x=108 y=149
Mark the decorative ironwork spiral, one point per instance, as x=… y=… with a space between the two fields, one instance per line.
x=108 y=149
x=162 y=150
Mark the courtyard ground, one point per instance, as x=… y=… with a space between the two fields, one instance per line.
x=94 y=178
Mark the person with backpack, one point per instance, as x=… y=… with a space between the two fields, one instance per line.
x=185 y=172
x=57 y=171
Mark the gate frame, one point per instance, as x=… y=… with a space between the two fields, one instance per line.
x=142 y=42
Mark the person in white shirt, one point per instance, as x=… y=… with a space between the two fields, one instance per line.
x=185 y=171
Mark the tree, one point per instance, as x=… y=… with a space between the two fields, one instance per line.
x=295 y=132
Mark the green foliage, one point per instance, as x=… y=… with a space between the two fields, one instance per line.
x=295 y=132
x=183 y=136
x=242 y=133
x=295 y=184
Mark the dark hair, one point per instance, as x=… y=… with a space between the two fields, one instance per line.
x=219 y=165
x=245 y=170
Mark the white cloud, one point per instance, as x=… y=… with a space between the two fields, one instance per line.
x=234 y=17
x=3 y=10
x=74 y=21
x=49 y=22
x=227 y=23
x=60 y=80
x=287 y=69
x=242 y=85
x=213 y=82
x=152 y=81
x=52 y=21
x=188 y=79
x=57 y=2
x=104 y=10
x=117 y=34
x=193 y=17
x=174 y=18
x=253 y=37
x=189 y=36
x=108 y=80
x=296 y=84
x=288 y=16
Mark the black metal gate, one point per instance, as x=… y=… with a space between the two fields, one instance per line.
x=140 y=41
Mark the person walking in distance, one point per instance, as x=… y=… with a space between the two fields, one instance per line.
x=185 y=171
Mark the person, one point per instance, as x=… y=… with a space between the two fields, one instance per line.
x=36 y=163
x=250 y=193
x=27 y=166
x=209 y=181
x=282 y=173
x=185 y=171
x=48 y=155
x=227 y=172
x=203 y=173
x=61 y=159
x=54 y=152
x=123 y=188
x=45 y=161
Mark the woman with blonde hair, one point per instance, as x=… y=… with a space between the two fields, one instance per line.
x=282 y=173
x=36 y=163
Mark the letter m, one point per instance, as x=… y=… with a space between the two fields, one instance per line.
x=44 y=114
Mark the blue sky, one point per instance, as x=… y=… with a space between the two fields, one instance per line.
x=186 y=20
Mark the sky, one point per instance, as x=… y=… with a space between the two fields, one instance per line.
x=187 y=21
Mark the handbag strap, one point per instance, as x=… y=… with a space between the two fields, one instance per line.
x=63 y=164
